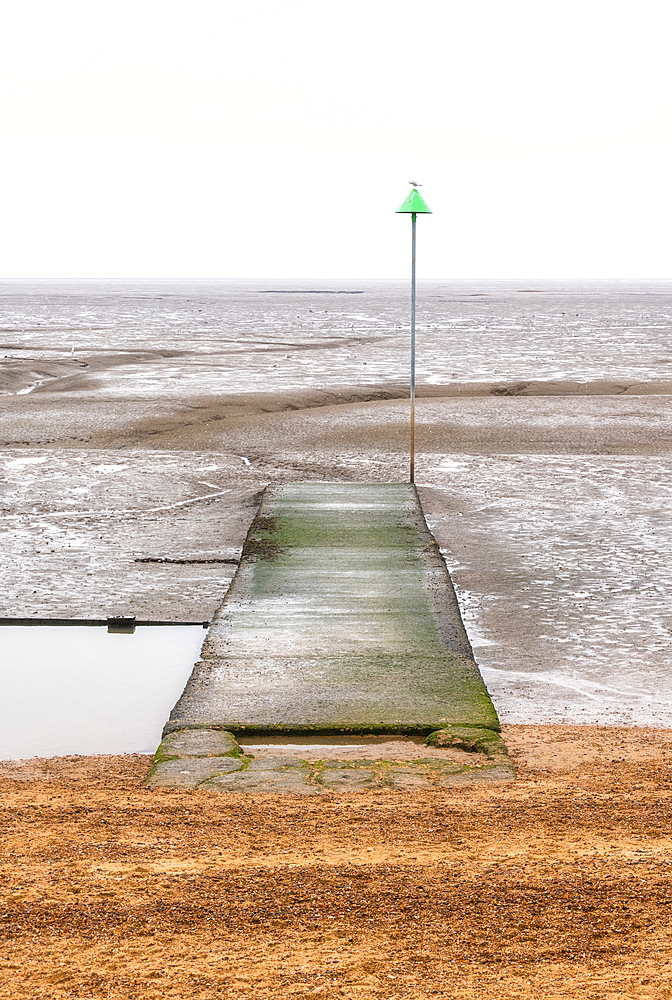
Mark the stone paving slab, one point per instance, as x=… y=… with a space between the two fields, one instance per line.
x=190 y=772
x=269 y=783
x=199 y=743
x=348 y=779
x=240 y=772
x=409 y=778
x=341 y=619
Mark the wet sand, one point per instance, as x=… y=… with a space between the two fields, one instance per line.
x=554 y=886
x=551 y=501
x=98 y=533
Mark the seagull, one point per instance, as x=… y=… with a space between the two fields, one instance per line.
x=415 y=184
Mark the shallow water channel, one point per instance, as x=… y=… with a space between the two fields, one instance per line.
x=70 y=689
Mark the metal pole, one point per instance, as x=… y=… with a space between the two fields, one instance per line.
x=413 y=218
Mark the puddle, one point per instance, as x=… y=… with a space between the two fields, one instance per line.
x=84 y=690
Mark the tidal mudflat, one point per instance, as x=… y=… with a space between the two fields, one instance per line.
x=132 y=463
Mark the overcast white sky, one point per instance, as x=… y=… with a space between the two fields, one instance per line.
x=157 y=139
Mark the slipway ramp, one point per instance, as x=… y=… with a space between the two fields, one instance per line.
x=341 y=619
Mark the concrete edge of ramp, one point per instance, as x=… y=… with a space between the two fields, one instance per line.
x=376 y=657
x=211 y=759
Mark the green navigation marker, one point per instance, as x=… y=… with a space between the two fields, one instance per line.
x=414 y=205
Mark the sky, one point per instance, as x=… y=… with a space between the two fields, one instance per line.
x=212 y=140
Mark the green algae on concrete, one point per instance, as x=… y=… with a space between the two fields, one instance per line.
x=472 y=739
x=341 y=618
x=198 y=743
x=236 y=771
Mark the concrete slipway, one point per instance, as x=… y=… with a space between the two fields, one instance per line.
x=340 y=620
